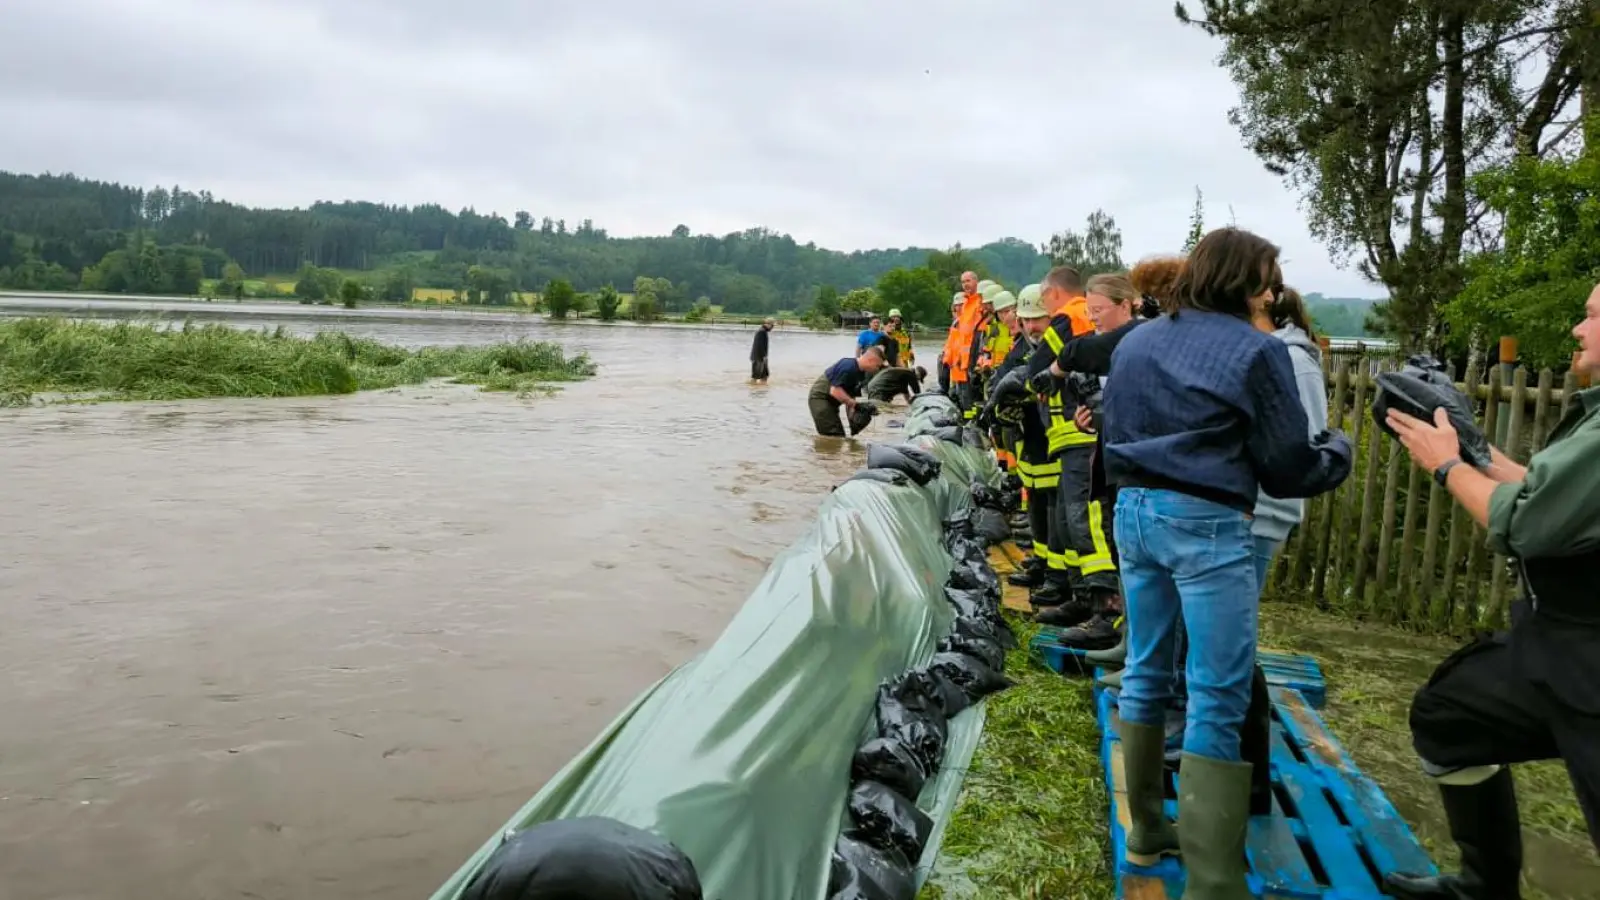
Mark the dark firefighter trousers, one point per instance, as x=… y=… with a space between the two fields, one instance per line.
x=1082 y=532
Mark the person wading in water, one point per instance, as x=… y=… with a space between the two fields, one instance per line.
x=839 y=386
x=758 y=353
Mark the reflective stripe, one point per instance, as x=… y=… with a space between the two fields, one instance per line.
x=1041 y=550
x=1054 y=340
x=1100 y=559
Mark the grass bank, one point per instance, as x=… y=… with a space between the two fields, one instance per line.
x=1031 y=822
x=142 y=361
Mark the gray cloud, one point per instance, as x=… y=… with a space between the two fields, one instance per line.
x=853 y=124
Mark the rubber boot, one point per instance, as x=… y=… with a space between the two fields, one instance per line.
x=1484 y=824
x=1213 y=809
x=1116 y=656
x=1150 y=835
x=1030 y=574
x=1051 y=594
x=1074 y=610
x=1111 y=680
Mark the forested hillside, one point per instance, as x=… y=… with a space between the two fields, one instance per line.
x=60 y=232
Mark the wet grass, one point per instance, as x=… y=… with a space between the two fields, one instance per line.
x=1031 y=822
x=145 y=361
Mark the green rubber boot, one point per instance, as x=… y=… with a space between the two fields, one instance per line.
x=1150 y=835
x=1214 y=807
x=1112 y=680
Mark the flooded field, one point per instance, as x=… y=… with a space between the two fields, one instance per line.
x=322 y=648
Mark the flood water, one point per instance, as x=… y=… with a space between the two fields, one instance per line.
x=324 y=648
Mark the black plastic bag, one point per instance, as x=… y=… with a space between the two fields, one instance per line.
x=953 y=697
x=980 y=577
x=889 y=762
x=859 y=419
x=886 y=476
x=991 y=525
x=970 y=673
x=958 y=526
x=1422 y=387
x=986 y=497
x=887 y=820
x=973 y=603
x=861 y=871
x=916 y=462
x=985 y=650
x=985 y=628
x=911 y=711
x=591 y=858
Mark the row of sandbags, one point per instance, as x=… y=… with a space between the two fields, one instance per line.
x=875 y=857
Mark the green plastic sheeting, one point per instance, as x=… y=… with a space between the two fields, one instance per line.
x=741 y=756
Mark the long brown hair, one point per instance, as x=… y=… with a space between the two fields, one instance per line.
x=1225 y=270
x=1290 y=309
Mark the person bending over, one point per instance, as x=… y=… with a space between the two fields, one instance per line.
x=1531 y=693
x=839 y=386
x=895 y=382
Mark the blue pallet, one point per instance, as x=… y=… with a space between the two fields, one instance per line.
x=1332 y=834
x=1294 y=671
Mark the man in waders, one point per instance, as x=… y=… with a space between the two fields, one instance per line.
x=839 y=386
x=891 y=383
x=758 y=353
x=1045 y=572
x=1080 y=530
x=1532 y=693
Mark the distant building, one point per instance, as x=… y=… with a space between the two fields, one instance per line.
x=856 y=320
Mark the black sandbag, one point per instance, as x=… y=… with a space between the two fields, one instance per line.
x=886 y=476
x=969 y=577
x=860 y=418
x=972 y=602
x=889 y=762
x=589 y=858
x=991 y=525
x=986 y=497
x=916 y=462
x=985 y=650
x=953 y=434
x=965 y=546
x=1420 y=388
x=958 y=526
x=911 y=710
x=953 y=697
x=985 y=628
x=861 y=871
x=977 y=679
x=887 y=820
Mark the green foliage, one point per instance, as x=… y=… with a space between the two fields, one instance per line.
x=1535 y=287
x=700 y=312
x=489 y=286
x=1340 y=318
x=948 y=265
x=399 y=286
x=231 y=284
x=645 y=307
x=560 y=298
x=313 y=284
x=606 y=303
x=75 y=223
x=1097 y=250
x=130 y=361
x=34 y=274
x=1197 y=222
x=918 y=293
x=351 y=293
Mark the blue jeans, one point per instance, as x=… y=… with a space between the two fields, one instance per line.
x=1266 y=550
x=1189 y=564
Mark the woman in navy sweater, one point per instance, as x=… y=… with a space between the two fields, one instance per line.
x=1204 y=416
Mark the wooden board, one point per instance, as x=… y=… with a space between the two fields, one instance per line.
x=1332 y=834
x=1006 y=557
x=1283 y=670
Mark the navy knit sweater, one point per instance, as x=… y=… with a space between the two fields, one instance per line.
x=1205 y=404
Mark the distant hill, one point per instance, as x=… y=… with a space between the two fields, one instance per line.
x=1340 y=317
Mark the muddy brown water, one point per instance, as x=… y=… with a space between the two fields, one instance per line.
x=324 y=648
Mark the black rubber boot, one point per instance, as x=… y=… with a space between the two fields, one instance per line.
x=1484 y=824
x=1030 y=574
x=1072 y=611
x=1050 y=594
x=1101 y=630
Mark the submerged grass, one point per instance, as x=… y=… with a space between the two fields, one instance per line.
x=144 y=361
x=1032 y=819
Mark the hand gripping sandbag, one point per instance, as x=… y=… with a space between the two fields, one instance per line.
x=860 y=418
x=592 y=857
x=917 y=463
x=889 y=762
x=1422 y=387
x=888 y=820
x=910 y=710
x=861 y=871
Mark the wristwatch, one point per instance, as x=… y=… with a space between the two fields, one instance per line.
x=1442 y=474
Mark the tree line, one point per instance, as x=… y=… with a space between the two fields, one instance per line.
x=59 y=232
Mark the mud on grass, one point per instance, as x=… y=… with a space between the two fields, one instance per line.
x=1031 y=821
x=148 y=361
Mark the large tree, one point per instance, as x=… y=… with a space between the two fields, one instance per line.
x=1380 y=115
x=1096 y=250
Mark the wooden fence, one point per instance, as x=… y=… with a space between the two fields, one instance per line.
x=1390 y=544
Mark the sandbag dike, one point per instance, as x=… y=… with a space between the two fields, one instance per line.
x=777 y=760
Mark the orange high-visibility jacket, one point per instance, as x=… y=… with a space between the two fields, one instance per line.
x=958 y=349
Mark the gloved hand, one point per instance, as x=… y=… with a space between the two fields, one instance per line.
x=867 y=407
x=1043 y=383
x=1014 y=384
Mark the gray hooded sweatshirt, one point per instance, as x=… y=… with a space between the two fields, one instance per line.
x=1274 y=517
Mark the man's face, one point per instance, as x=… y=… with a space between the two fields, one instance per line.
x=969 y=282
x=1009 y=317
x=1035 y=327
x=877 y=325
x=894 y=323
x=1588 y=334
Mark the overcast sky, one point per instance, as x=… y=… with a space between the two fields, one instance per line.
x=851 y=123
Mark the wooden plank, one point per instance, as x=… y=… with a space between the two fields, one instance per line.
x=1496 y=609
x=1007 y=558
x=1306 y=731
x=1385 y=836
x=1330 y=506
x=1274 y=853
x=1329 y=838
x=1391 y=490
